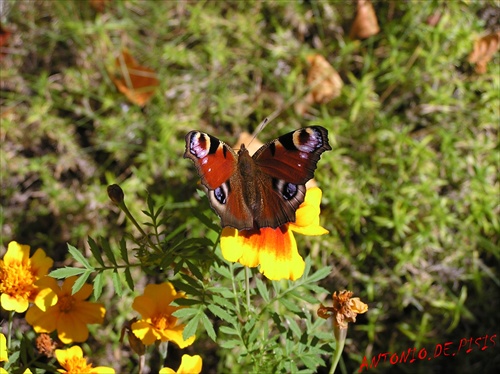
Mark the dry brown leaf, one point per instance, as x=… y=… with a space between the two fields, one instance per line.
x=4 y=39
x=365 y=23
x=99 y=5
x=324 y=82
x=138 y=83
x=484 y=50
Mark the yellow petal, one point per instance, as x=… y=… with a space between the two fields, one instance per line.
x=64 y=355
x=42 y=321
x=275 y=250
x=145 y=332
x=3 y=348
x=230 y=245
x=14 y=302
x=40 y=263
x=46 y=298
x=190 y=365
x=102 y=370
x=16 y=253
x=175 y=335
x=71 y=329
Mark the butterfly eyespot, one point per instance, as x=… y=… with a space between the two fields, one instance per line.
x=287 y=190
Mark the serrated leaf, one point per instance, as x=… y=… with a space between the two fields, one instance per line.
x=294 y=327
x=291 y=306
x=117 y=283
x=230 y=344
x=262 y=289
x=224 y=302
x=109 y=253
x=209 y=328
x=228 y=330
x=186 y=312
x=128 y=278
x=78 y=256
x=192 y=325
x=80 y=282
x=185 y=302
x=98 y=285
x=95 y=251
x=320 y=274
x=194 y=269
x=66 y=272
x=124 y=251
x=221 y=313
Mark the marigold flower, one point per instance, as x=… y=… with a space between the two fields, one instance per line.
x=275 y=250
x=73 y=362
x=3 y=348
x=345 y=309
x=57 y=309
x=45 y=345
x=157 y=322
x=189 y=365
x=19 y=275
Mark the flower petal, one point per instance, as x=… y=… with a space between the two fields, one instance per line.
x=42 y=321
x=145 y=306
x=3 y=348
x=16 y=253
x=145 y=332
x=40 y=263
x=190 y=365
x=174 y=334
x=71 y=329
x=274 y=249
x=14 y=302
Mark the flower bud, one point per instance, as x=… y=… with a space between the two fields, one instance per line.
x=115 y=193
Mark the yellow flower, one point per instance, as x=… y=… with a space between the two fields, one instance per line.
x=19 y=275
x=275 y=250
x=73 y=362
x=157 y=322
x=3 y=348
x=189 y=365
x=57 y=309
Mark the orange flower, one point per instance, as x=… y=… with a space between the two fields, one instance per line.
x=157 y=322
x=57 y=309
x=73 y=362
x=189 y=365
x=19 y=275
x=275 y=250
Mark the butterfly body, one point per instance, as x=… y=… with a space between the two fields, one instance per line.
x=263 y=190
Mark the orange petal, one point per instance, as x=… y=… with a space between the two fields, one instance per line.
x=275 y=250
x=42 y=321
x=71 y=329
x=145 y=306
x=145 y=332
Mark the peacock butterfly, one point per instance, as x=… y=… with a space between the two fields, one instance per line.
x=263 y=190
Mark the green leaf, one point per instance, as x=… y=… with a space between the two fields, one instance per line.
x=98 y=285
x=221 y=313
x=209 y=328
x=108 y=251
x=117 y=284
x=228 y=330
x=192 y=325
x=66 y=272
x=290 y=305
x=128 y=278
x=95 y=251
x=124 y=251
x=230 y=343
x=78 y=256
x=185 y=302
x=80 y=282
x=186 y=312
x=262 y=289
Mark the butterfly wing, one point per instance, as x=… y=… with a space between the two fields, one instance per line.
x=216 y=164
x=285 y=165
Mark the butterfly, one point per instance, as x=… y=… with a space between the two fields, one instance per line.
x=263 y=190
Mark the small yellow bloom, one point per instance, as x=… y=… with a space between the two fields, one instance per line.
x=275 y=250
x=73 y=362
x=157 y=322
x=3 y=348
x=189 y=365
x=57 y=309
x=19 y=275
